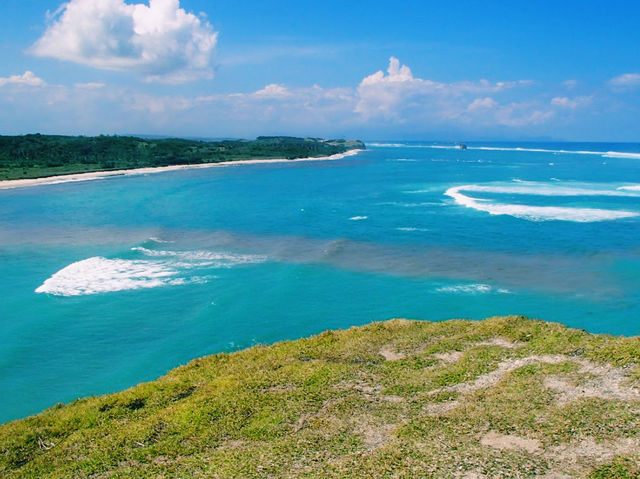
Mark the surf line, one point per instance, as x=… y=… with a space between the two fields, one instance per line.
x=533 y=213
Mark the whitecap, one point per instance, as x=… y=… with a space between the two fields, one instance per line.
x=388 y=145
x=158 y=240
x=358 y=218
x=163 y=268
x=539 y=213
x=619 y=154
x=204 y=257
x=412 y=229
x=476 y=288
x=606 y=154
x=630 y=188
x=102 y=275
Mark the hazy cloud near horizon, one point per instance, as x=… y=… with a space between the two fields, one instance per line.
x=381 y=101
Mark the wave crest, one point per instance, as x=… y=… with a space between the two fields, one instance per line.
x=540 y=213
x=160 y=268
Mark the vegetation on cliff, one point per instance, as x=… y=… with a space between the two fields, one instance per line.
x=504 y=397
x=35 y=156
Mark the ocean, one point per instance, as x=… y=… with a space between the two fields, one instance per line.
x=111 y=282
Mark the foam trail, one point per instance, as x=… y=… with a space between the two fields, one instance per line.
x=472 y=289
x=204 y=257
x=534 y=213
x=542 y=189
x=606 y=154
x=618 y=154
x=412 y=229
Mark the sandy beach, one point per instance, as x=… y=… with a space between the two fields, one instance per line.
x=99 y=175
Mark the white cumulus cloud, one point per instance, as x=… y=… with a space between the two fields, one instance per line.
x=273 y=90
x=28 y=78
x=390 y=95
x=160 y=41
x=482 y=103
x=571 y=103
x=626 y=80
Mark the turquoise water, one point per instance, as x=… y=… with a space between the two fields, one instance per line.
x=111 y=282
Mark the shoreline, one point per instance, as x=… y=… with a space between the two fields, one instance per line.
x=99 y=175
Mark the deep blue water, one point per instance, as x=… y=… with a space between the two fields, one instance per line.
x=111 y=282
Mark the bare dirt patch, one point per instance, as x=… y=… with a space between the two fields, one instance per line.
x=498 y=341
x=511 y=442
x=494 y=377
x=449 y=357
x=585 y=453
x=437 y=409
x=596 y=381
x=390 y=355
x=374 y=435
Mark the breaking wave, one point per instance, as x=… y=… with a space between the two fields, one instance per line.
x=542 y=213
x=477 y=288
x=164 y=268
x=605 y=154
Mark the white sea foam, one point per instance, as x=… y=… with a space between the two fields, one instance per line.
x=102 y=275
x=388 y=145
x=630 y=188
x=199 y=258
x=606 y=154
x=411 y=229
x=164 y=268
x=544 y=189
x=477 y=288
x=539 y=213
x=158 y=240
x=619 y=154
x=358 y=218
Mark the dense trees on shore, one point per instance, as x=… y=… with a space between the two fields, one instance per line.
x=32 y=156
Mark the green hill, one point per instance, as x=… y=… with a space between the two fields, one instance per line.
x=35 y=156
x=504 y=397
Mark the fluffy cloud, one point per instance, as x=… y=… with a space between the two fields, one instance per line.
x=28 y=78
x=482 y=103
x=565 y=102
x=273 y=91
x=391 y=95
x=385 y=103
x=627 y=80
x=160 y=41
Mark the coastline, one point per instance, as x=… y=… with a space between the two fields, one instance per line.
x=99 y=175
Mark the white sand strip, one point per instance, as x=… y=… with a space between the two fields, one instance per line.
x=98 y=175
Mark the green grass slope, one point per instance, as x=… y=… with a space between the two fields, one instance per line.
x=504 y=397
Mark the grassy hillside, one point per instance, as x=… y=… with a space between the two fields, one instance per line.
x=505 y=397
x=35 y=156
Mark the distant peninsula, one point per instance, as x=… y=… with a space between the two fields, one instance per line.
x=41 y=156
x=504 y=397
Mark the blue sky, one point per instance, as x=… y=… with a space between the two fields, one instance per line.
x=373 y=70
